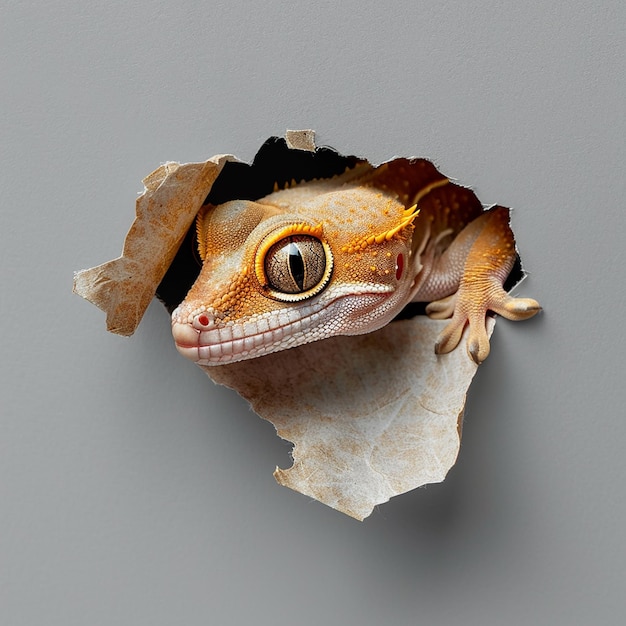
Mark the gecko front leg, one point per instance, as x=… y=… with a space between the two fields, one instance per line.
x=488 y=249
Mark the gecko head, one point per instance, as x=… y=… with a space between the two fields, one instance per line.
x=278 y=274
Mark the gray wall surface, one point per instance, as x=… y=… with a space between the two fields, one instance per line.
x=133 y=491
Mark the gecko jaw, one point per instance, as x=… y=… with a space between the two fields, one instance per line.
x=270 y=332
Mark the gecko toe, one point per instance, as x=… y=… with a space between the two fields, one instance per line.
x=478 y=344
x=450 y=337
x=518 y=309
x=477 y=339
x=441 y=309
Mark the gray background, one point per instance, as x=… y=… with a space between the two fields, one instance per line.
x=134 y=491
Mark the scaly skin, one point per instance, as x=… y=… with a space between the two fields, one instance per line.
x=343 y=256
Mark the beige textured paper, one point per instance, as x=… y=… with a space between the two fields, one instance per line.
x=124 y=287
x=301 y=140
x=371 y=417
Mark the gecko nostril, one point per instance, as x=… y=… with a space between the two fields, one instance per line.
x=202 y=321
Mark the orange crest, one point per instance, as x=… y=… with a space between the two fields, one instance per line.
x=406 y=219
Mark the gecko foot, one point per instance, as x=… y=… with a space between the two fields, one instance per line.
x=489 y=256
x=466 y=309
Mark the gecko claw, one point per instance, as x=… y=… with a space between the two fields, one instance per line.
x=478 y=346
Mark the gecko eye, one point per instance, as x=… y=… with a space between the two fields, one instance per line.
x=297 y=267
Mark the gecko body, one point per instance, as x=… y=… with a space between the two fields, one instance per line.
x=344 y=256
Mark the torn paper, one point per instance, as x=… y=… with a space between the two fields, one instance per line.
x=172 y=197
x=371 y=417
x=300 y=140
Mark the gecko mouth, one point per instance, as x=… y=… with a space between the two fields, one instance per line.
x=268 y=333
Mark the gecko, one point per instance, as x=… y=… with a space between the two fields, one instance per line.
x=343 y=256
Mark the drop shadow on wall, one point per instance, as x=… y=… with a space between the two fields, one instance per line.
x=467 y=523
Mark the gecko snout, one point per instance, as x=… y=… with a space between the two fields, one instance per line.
x=190 y=333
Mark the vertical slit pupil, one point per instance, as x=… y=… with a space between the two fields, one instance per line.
x=296 y=265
